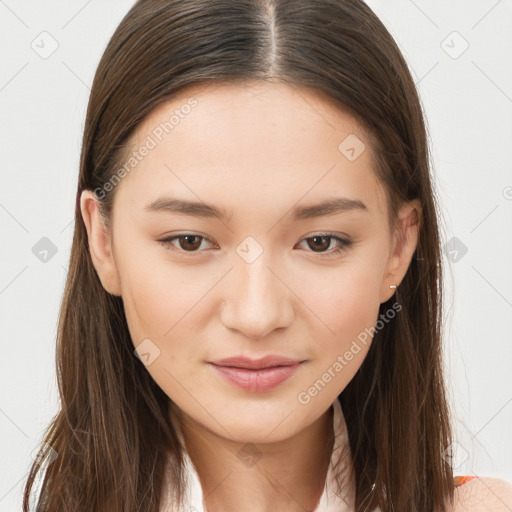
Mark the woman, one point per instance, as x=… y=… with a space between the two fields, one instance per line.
x=251 y=319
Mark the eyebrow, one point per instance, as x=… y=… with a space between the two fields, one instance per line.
x=331 y=206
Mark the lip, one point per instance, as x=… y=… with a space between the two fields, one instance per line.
x=256 y=364
x=256 y=375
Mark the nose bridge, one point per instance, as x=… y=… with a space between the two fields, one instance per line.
x=256 y=301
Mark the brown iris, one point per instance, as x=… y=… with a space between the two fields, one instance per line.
x=193 y=242
x=324 y=246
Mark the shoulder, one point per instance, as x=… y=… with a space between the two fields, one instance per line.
x=482 y=494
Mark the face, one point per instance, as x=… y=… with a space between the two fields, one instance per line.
x=269 y=274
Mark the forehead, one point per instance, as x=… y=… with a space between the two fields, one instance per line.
x=264 y=142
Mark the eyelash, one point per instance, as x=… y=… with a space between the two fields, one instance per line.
x=344 y=244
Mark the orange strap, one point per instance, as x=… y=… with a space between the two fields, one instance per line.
x=460 y=480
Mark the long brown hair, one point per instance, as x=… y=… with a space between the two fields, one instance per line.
x=113 y=436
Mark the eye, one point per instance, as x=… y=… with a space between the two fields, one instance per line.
x=322 y=241
x=187 y=242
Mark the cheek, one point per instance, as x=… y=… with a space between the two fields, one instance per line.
x=348 y=305
x=159 y=297
x=167 y=305
x=346 y=300
x=160 y=302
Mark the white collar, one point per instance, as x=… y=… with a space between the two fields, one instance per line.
x=329 y=501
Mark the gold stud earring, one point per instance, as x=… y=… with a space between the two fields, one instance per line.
x=392 y=286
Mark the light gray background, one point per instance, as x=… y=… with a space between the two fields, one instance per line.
x=467 y=96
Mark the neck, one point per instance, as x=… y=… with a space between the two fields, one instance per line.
x=286 y=475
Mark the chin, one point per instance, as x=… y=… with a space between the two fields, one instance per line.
x=260 y=434
x=270 y=427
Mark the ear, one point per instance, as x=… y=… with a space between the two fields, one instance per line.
x=405 y=240
x=100 y=243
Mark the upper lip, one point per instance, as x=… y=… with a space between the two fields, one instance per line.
x=264 y=362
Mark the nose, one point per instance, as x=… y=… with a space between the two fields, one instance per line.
x=257 y=299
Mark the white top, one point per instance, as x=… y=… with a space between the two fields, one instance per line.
x=482 y=494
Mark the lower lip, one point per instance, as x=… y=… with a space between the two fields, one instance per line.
x=256 y=381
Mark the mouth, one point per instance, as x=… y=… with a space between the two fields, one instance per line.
x=259 y=377
x=270 y=361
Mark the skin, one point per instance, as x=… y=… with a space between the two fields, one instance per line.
x=256 y=151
